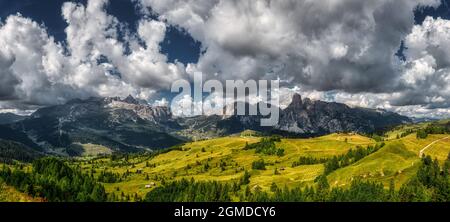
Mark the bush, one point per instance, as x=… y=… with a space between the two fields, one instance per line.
x=259 y=165
x=309 y=161
x=266 y=146
x=422 y=134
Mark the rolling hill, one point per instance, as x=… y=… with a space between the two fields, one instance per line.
x=121 y=125
x=9 y=194
x=225 y=159
x=8 y=118
x=266 y=160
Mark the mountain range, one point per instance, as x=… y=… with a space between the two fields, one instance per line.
x=7 y=118
x=130 y=125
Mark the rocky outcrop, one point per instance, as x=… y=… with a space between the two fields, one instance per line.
x=129 y=125
x=307 y=117
x=318 y=117
x=122 y=124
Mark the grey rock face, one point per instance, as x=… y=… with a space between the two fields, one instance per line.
x=129 y=125
x=306 y=117
x=318 y=117
x=123 y=125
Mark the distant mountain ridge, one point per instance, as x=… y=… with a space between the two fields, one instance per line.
x=130 y=125
x=122 y=125
x=318 y=117
x=8 y=118
x=303 y=117
x=423 y=119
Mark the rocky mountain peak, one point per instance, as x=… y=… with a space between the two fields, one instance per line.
x=131 y=100
x=296 y=99
x=115 y=122
x=304 y=115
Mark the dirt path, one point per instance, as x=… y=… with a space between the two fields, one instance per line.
x=431 y=144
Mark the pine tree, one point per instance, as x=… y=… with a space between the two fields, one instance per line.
x=413 y=191
x=274 y=187
x=246 y=178
x=392 y=195
x=275 y=172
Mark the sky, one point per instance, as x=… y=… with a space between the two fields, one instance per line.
x=387 y=54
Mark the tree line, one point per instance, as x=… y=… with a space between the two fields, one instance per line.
x=266 y=146
x=307 y=160
x=405 y=133
x=336 y=162
x=12 y=151
x=431 y=183
x=352 y=156
x=435 y=128
x=110 y=177
x=53 y=180
x=190 y=191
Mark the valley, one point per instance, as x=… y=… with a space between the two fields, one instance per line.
x=225 y=160
x=108 y=149
x=129 y=177
x=132 y=126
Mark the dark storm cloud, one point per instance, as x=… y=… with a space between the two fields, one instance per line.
x=8 y=81
x=37 y=70
x=347 y=47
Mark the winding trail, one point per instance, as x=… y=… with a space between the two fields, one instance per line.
x=431 y=144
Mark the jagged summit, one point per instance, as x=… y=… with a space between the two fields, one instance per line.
x=296 y=99
x=319 y=117
x=126 y=124
x=130 y=99
x=296 y=102
x=122 y=124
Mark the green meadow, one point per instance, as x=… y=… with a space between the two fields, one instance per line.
x=267 y=161
x=226 y=160
x=10 y=194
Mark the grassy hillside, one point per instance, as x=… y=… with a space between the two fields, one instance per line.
x=440 y=149
x=89 y=149
x=393 y=161
x=10 y=194
x=224 y=159
x=285 y=162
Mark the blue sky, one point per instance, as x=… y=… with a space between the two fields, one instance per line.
x=442 y=11
x=178 y=44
